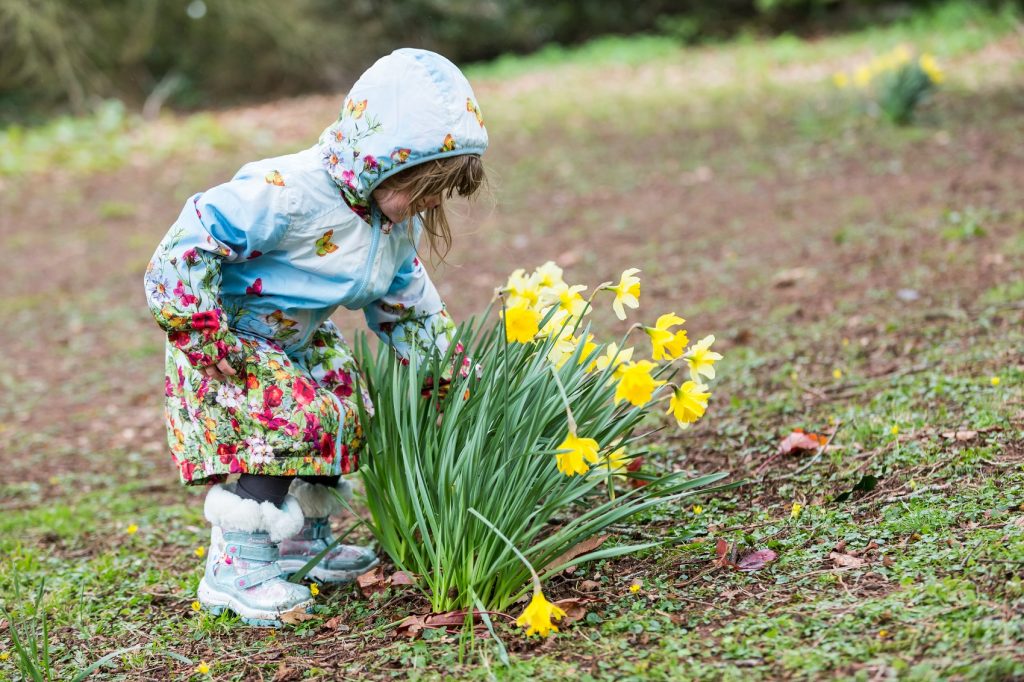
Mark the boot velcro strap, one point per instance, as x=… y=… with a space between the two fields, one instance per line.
x=248 y=552
x=257 y=577
x=317 y=529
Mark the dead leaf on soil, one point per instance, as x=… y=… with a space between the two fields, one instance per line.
x=756 y=560
x=788 y=278
x=800 y=441
x=286 y=674
x=588 y=545
x=962 y=436
x=374 y=581
x=296 y=615
x=574 y=609
x=449 y=620
x=841 y=560
x=589 y=586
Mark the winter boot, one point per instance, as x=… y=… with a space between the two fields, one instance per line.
x=344 y=562
x=242 y=572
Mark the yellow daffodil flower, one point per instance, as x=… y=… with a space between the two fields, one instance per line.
x=698 y=510
x=522 y=290
x=562 y=350
x=615 y=463
x=589 y=348
x=578 y=451
x=895 y=430
x=548 y=275
x=611 y=354
x=132 y=529
x=689 y=402
x=5 y=655
x=702 y=359
x=841 y=80
x=862 y=76
x=567 y=298
x=795 y=511
x=837 y=373
x=634 y=588
x=994 y=381
x=931 y=68
x=667 y=345
x=537 y=616
x=559 y=324
x=627 y=292
x=202 y=668
x=636 y=383
x=521 y=324
x=314 y=589
x=196 y=606
x=200 y=551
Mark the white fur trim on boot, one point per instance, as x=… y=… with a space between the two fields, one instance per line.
x=229 y=511
x=317 y=501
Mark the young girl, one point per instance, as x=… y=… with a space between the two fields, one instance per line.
x=259 y=384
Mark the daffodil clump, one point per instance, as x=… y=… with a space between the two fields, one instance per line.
x=895 y=82
x=479 y=490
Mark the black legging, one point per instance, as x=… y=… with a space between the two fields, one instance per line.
x=274 y=488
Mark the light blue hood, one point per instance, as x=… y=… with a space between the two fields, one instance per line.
x=409 y=107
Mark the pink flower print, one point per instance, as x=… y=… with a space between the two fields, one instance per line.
x=349 y=178
x=272 y=396
x=401 y=155
x=256 y=288
x=191 y=257
x=312 y=430
x=184 y=297
x=168 y=388
x=187 y=469
x=303 y=392
x=206 y=320
x=269 y=420
x=326 y=446
x=204 y=388
x=370 y=163
x=180 y=339
x=290 y=428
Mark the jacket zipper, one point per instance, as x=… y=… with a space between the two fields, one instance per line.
x=375 y=226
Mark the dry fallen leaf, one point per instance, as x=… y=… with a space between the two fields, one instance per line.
x=961 y=436
x=588 y=545
x=589 y=586
x=296 y=615
x=800 y=441
x=845 y=560
x=402 y=578
x=286 y=674
x=756 y=560
x=574 y=609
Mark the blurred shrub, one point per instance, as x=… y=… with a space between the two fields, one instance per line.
x=198 y=52
x=895 y=82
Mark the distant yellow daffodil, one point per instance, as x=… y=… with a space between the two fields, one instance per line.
x=562 y=350
x=697 y=510
x=666 y=344
x=132 y=529
x=577 y=452
x=895 y=430
x=702 y=359
x=627 y=292
x=559 y=324
x=837 y=373
x=615 y=462
x=794 y=512
x=689 y=402
x=538 y=614
x=931 y=68
x=862 y=76
x=5 y=655
x=196 y=606
x=589 y=348
x=521 y=324
x=200 y=551
x=635 y=587
x=203 y=668
x=314 y=589
x=841 y=80
x=636 y=383
x=994 y=381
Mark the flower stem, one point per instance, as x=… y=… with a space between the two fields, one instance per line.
x=565 y=398
x=533 y=573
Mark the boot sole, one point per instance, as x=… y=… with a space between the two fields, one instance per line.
x=216 y=602
x=325 y=575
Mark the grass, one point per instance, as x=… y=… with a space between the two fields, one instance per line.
x=806 y=235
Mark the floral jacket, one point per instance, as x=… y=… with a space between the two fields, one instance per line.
x=274 y=251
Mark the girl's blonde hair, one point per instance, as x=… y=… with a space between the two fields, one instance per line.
x=462 y=174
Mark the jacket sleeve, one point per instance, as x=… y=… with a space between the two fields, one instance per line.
x=411 y=316
x=239 y=220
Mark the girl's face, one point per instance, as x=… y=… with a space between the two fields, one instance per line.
x=397 y=206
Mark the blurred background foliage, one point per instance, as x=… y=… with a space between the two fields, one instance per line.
x=73 y=54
